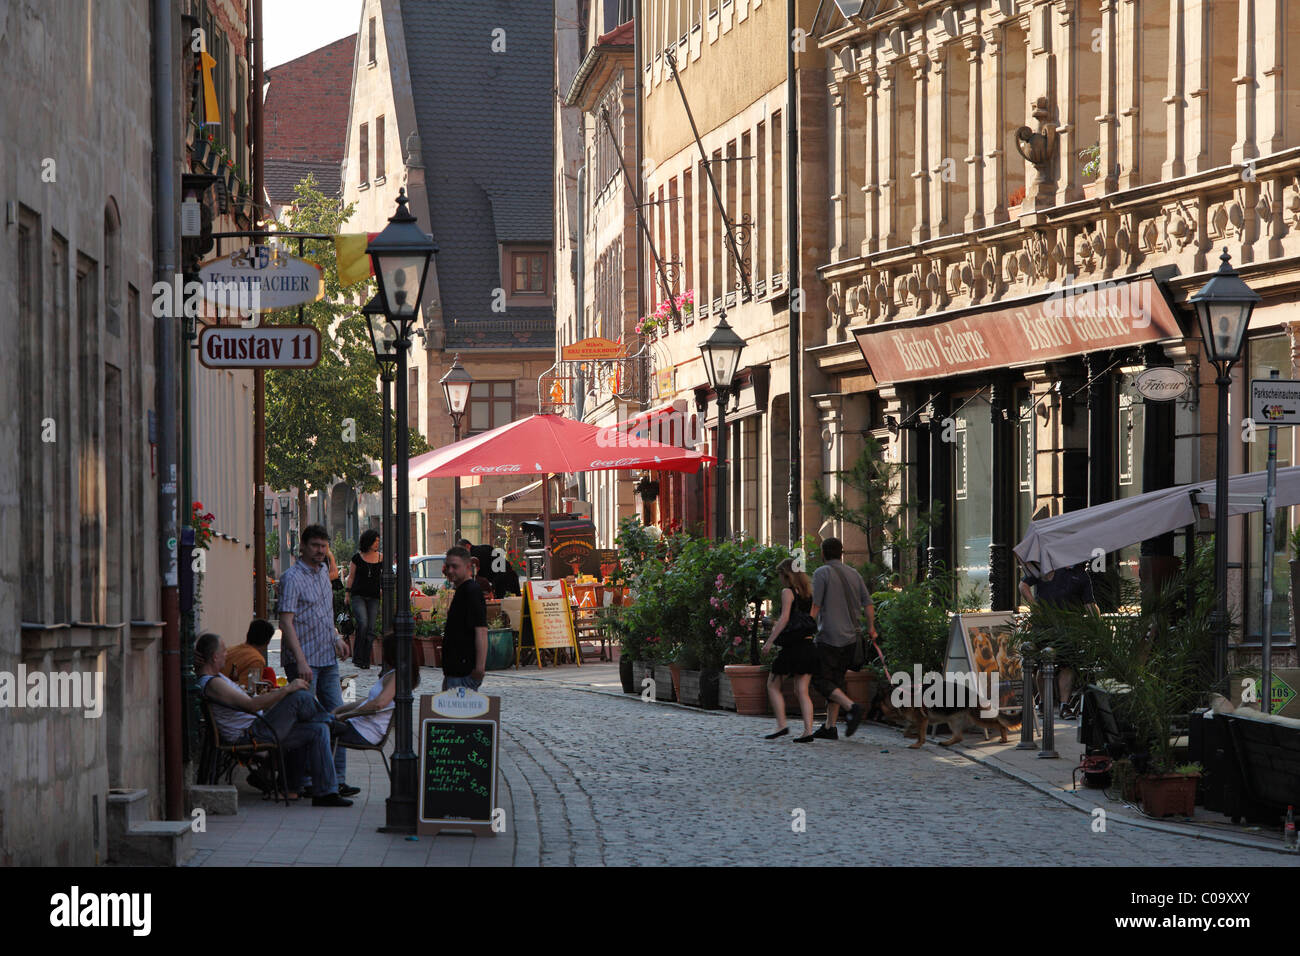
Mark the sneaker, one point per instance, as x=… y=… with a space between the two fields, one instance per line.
x=826 y=733
x=348 y=791
x=330 y=800
x=853 y=718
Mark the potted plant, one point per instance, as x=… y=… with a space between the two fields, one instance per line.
x=501 y=643
x=427 y=643
x=1091 y=157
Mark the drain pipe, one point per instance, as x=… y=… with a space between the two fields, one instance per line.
x=165 y=359
x=793 y=272
x=579 y=305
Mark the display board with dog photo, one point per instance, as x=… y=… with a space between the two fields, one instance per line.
x=983 y=644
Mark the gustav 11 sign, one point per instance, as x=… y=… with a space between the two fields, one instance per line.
x=268 y=346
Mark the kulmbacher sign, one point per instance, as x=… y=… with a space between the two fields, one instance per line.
x=1073 y=320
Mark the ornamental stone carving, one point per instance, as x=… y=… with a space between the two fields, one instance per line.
x=1038 y=148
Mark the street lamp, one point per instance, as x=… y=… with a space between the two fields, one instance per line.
x=383 y=339
x=1223 y=309
x=721 y=351
x=284 y=534
x=455 y=389
x=401 y=255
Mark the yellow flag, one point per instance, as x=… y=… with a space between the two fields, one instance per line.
x=350 y=250
x=211 y=114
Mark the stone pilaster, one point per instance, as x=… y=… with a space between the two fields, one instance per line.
x=840 y=207
x=919 y=64
x=995 y=107
x=975 y=148
x=887 y=158
x=1176 y=156
x=1065 y=42
x=872 y=169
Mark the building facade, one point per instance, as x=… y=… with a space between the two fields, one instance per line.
x=78 y=495
x=1024 y=195
x=465 y=129
x=718 y=218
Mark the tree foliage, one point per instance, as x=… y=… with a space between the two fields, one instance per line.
x=325 y=424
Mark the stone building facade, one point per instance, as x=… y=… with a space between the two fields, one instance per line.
x=986 y=153
x=78 y=497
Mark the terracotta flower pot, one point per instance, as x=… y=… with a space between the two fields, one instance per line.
x=749 y=687
x=1168 y=794
x=859 y=685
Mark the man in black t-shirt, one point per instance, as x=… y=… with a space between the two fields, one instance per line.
x=464 y=637
x=1068 y=588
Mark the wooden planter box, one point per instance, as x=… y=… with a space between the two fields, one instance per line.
x=698 y=688
x=1168 y=794
x=640 y=671
x=726 y=699
x=663 y=677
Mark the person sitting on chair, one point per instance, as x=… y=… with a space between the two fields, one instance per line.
x=368 y=719
x=251 y=655
x=289 y=714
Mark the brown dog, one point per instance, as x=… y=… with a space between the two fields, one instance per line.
x=917 y=718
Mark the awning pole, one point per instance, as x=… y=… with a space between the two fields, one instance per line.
x=546 y=527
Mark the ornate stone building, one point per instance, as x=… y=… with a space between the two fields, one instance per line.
x=984 y=153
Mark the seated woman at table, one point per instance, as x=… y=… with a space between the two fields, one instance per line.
x=367 y=720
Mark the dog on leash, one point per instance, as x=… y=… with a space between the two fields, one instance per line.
x=916 y=717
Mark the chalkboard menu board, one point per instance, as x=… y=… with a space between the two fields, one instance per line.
x=458 y=770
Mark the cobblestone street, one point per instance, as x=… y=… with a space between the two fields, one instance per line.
x=589 y=777
x=623 y=781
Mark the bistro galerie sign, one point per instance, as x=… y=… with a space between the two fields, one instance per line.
x=1071 y=321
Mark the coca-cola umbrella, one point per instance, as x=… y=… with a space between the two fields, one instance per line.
x=552 y=444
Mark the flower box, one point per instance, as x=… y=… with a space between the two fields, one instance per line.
x=640 y=671
x=1168 y=794
x=698 y=688
x=663 y=678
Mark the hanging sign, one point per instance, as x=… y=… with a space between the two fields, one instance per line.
x=460 y=732
x=590 y=350
x=260 y=278
x=266 y=346
x=1162 y=384
x=1274 y=401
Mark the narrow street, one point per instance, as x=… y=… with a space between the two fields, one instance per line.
x=592 y=778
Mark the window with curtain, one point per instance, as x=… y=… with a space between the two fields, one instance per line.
x=972 y=498
x=1264 y=354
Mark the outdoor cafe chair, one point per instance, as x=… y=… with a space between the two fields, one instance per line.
x=221 y=758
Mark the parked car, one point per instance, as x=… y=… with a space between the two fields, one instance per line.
x=427 y=569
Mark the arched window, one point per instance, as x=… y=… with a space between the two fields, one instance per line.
x=112 y=268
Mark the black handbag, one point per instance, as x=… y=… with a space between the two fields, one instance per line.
x=801 y=626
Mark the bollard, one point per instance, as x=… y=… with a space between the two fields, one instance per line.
x=1027 y=652
x=1049 y=704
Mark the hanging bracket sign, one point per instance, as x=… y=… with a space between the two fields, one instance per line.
x=1162 y=383
x=266 y=346
x=260 y=278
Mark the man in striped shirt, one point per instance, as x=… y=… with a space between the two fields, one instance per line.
x=311 y=647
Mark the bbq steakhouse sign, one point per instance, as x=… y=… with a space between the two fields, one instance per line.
x=1073 y=320
x=268 y=346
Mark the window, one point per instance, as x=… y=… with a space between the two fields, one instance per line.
x=379 y=148
x=370 y=29
x=528 y=273
x=62 y=483
x=413 y=398
x=364 y=150
x=491 y=405
x=89 y=372
x=31 y=395
x=112 y=268
x=972 y=495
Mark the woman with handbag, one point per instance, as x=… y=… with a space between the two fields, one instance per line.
x=793 y=633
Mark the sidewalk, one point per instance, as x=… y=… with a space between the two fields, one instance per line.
x=1048 y=776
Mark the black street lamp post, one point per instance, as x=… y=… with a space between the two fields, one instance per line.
x=721 y=351
x=383 y=339
x=1223 y=308
x=455 y=389
x=401 y=255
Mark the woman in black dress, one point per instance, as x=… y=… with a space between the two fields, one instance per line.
x=797 y=656
x=363 y=589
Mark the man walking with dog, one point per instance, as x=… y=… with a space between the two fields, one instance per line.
x=840 y=597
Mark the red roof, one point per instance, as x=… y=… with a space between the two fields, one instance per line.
x=619 y=36
x=305 y=114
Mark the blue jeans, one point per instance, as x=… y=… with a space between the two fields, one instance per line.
x=325 y=688
x=365 y=612
x=449 y=682
x=303 y=729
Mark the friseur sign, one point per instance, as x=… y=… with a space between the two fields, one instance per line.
x=1074 y=320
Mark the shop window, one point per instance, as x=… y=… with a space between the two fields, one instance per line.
x=1130 y=427
x=1263 y=355
x=1025 y=493
x=972 y=497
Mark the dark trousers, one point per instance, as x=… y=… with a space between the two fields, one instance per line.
x=834 y=663
x=365 y=612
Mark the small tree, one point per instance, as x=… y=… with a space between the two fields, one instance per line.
x=874 y=483
x=324 y=424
